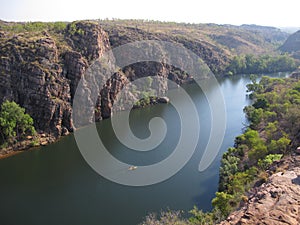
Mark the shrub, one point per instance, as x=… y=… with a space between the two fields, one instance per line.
x=15 y=124
x=268 y=160
x=223 y=201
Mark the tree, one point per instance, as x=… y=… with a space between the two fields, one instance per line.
x=222 y=201
x=247 y=64
x=271 y=130
x=229 y=166
x=201 y=218
x=254 y=115
x=261 y=103
x=257 y=152
x=280 y=145
x=254 y=87
x=256 y=145
x=237 y=65
x=15 y=124
x=268 y=160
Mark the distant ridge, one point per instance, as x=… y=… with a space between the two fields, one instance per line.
x=290 y=30
x=292 y=45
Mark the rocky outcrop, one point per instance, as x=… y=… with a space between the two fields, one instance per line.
x=41 y=72
x=295 y=74
x=32 y=76
x=276 y=201
x=75 y=67
x=42 y=77
x=88 y=38
x=109 y=92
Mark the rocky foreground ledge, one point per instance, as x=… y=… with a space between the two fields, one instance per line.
x=275 y=202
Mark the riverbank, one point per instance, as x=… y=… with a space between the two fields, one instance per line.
x=43 y=139
x=26 y=145
x=152 y=100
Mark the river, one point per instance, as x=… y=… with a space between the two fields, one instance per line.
x=54 y=185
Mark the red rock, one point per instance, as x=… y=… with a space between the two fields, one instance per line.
x=280 y=204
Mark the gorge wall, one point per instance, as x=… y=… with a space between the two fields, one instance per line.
x=41 y=70
x=40 y=67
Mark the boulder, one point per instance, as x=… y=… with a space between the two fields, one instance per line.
x=163 y=100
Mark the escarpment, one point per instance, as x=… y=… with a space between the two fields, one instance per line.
x=42 y=77
x=42 y=64
x=31 y=75
x=41 y=71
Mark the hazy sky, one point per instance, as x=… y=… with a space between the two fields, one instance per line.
x=262 y=12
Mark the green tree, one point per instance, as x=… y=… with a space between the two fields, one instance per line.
x=201 y=218
x=223 y=201
x=261 y=103
x=247 y=64
x=254 y=86
x=239 y=181
x=229 y=166
x=257 y=152
x=254 y=115
x=15 y=124
x=280 y=145
x=268 y=160
x=271 y=130
x=237 y=65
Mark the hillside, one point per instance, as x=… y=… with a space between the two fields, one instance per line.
x=245 y=39
x=292 y=45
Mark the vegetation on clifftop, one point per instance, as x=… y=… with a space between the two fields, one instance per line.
x=58 y=27
x=249 y=64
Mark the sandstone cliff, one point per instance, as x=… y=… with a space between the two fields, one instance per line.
x=31 y=75
x=42 y=63
x=40 y=71
x=41 y=74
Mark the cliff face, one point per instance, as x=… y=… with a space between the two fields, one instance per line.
x=40 y=71
x=41 y=64
x=32 y=76
x=42 y=77
x=216 y=57
x=274 y=202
